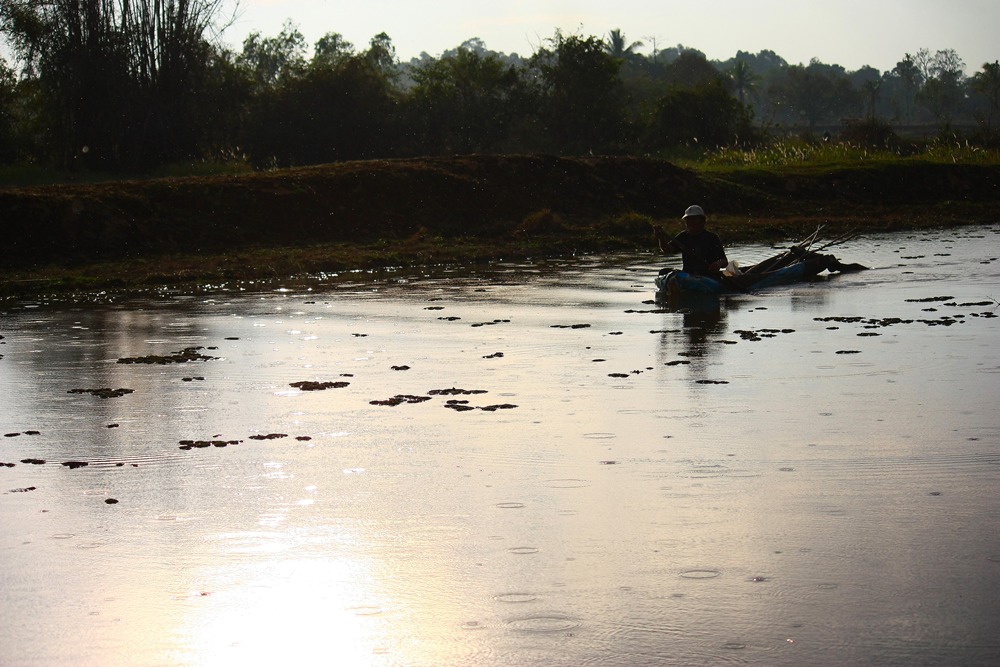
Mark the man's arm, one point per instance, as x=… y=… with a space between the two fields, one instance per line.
x=720 y=252
x=667 y=246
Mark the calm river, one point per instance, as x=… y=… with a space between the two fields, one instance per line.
x=526 y=464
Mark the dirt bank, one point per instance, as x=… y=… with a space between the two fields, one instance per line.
x=359 y=214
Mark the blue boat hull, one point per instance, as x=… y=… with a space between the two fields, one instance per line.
x=681 y=282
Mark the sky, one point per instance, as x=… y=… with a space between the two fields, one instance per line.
x=850 y=33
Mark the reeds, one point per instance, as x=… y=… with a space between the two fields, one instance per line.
x=801 y=152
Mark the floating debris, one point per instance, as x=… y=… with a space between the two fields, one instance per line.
x=105 y=392
x=751 y=335
x=570 y=326
x=495 y=355
x=712 y=381
x=930 y=299
x=192 y=379
x=307 y=385
x=269 y=436
x=34 y=462
x=399 y=399
x=848 y=351
x=111 y=501
x=180 y=357
x=677 y=362
x=75 y=464
x=303 y=438
x=450 y=318
x=486 y=324
x=24 y=490
x=400 y=368
x=204 y=444
x=455 y=391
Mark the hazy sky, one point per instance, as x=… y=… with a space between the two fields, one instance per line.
x=850 y=33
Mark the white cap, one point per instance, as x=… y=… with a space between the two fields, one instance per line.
x=693 y=211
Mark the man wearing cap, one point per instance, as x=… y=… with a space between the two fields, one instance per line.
x=701 y=249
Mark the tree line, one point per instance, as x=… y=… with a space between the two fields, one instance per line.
x=130 y=85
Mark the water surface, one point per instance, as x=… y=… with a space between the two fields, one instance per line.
x=526 y=464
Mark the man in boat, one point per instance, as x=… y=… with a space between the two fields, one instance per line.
x=700 y=249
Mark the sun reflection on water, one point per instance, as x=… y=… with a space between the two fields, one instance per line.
x=289 y=611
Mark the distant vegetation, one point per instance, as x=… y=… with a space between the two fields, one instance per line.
x=133 y=87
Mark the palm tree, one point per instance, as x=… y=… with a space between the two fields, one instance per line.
x=744 y=80
x=616 y=47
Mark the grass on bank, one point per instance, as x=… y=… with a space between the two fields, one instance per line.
x=802 y=151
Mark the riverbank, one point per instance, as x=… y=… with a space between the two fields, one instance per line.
x=359 y=215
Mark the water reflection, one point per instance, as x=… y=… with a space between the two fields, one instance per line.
x=703 y=321
x=754 y=478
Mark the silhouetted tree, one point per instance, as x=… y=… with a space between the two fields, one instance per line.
x=618 y=47
x=942 y=92
x=381 y=56
x=987 y=84
x=271 y=59
x=8 y=101
x=816 y=93
x=691 y=69
x=467 y=102
x=329 y=112
x=331 y=49
x=744 y=80
x=910 y=78
x=707 y=116
x=868 y=82
x=581 y=95
x=119 y=80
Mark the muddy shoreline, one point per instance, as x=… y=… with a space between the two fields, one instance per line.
x=464 y=209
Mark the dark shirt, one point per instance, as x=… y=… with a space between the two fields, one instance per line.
x=699 y=251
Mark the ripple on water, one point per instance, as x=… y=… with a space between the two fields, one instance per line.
x=544 y=623
x=568 y=483
x=701 y=573
x=510 y=506
x=515 y=598
x=365 y=610
x=599 y=436
x=523 y=551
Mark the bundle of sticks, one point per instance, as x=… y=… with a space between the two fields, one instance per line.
x=800 y=251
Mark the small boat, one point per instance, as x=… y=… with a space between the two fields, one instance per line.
x=796 y=264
